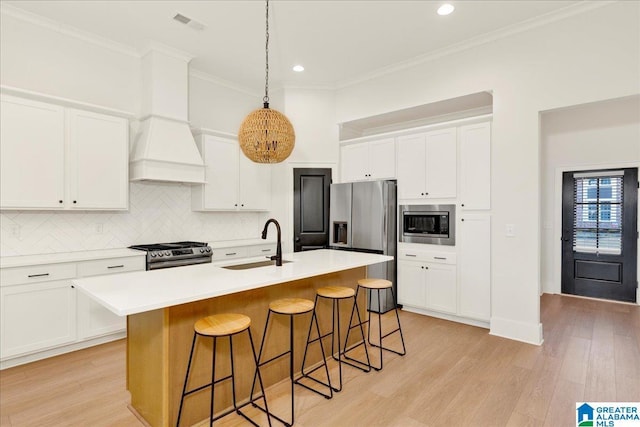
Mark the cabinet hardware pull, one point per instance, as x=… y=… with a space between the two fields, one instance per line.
x=462 y=219
x=462 y=205
x=116 y=266
x=266 y=250
x=73 y=287
x=38 y=275
x=439 y=257
x=412 y=255
x=232 y=253
x=59 y=201
x=75 y=201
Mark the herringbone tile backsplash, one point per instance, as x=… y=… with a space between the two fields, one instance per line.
x=157 y=213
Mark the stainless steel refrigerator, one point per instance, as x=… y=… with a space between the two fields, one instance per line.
x=363 y=218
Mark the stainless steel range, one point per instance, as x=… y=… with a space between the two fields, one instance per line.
x=166 y=255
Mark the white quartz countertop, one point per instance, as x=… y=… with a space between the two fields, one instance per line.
x=137 y=292
x=55 y=258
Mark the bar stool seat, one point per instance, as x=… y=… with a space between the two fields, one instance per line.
x=291 y=307
x=377 y=285
x=336 y=292
x=220 y=326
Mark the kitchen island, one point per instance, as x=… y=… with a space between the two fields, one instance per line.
x=162 y=305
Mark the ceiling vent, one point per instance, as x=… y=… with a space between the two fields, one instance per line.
x=188 y=22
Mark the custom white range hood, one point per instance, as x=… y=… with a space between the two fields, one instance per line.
x=165 y=150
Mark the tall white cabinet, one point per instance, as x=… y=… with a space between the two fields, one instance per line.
x=474 y=266
x=61 y=158
x=475 y=166
x=234 y=183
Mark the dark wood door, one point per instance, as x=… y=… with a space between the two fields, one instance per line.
x=310 y=208
x=599 y=234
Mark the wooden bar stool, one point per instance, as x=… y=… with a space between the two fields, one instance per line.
x=219 y=326
x=291 y=307
x=378 y=285
x=336 y=294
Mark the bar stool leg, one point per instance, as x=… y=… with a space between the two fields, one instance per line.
x=307 y=374
x=186 y=379
x=365 y=367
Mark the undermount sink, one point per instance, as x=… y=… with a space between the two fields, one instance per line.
x=253 y=265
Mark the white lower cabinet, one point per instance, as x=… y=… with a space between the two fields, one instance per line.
x=474 y=265
x=37 y=316
x=427 y=285
x=42 y=312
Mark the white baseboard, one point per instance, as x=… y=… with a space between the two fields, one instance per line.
x=530 y=333
x=28 y=358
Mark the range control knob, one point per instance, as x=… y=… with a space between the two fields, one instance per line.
x=167 y=253
x=208 y=249
x=153 y=254
x=160 y=254
x=201 y=250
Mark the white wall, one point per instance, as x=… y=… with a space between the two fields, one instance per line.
x=602 y=134
x=584 y=58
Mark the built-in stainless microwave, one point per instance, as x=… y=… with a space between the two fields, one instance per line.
x=430 y=224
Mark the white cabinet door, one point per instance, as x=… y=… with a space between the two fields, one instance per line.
x=412 y=289
x=95 y=320
x=354 y=162
x=98 y=160
x=474 y=266
x=31 y=154
x=36 y=317
x=382 y=159
x=220 y=157
x=255 y=185
x=411 y=167
x=440 y=165
x=475 y=166
x=441 y=287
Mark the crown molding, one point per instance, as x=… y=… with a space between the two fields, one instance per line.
x=202 y=75
x=510 y=30
x=67 y=30
x=164 y=49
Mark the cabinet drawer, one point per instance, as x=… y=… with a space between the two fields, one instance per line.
x=435 y=257
x=260 y=250
x=37 y=273
x=110 y=266
x=229 y=253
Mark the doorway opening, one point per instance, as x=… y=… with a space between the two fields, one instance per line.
x=599 y=233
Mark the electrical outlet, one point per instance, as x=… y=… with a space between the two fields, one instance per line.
x=15 y=230
x=99 y=228
x=510 y=230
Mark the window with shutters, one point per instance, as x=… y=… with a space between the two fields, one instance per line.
x=597 y=216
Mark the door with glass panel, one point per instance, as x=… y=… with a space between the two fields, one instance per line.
x=599 y=233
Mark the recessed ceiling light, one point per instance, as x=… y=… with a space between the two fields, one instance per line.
x=298 y=68
x=445 y=9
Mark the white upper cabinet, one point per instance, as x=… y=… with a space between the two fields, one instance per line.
x=427 y=165
x=52 y=163
x=98 y=160
x=474 y=266
x=475 y=165
x=233 y=181
x=32 y=143
x=365 y=161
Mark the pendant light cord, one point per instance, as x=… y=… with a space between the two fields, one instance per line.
x=266 y=49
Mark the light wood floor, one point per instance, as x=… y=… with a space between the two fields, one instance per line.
x=453 y=375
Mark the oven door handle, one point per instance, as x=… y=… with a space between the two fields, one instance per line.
x=178 y=263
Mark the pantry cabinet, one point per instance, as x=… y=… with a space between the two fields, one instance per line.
x=233 y=182
x=427 y=281
x=366 y=161
x=475 y=166
x=427 y=165
x=62 y=158
x=474 y=265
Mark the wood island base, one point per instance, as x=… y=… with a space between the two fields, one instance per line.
x=159 y=341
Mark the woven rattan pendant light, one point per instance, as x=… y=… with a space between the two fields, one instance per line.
x=266 y=135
